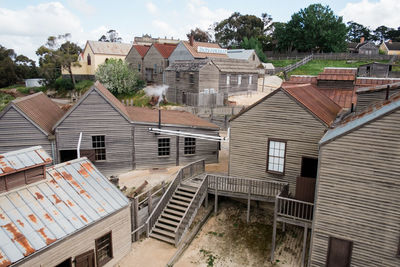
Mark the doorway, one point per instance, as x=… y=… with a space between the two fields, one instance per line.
x=67 y=155
x=305 y=183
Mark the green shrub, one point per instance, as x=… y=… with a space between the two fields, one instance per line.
x=4 y=100
x=63 y=84
x=83 y=85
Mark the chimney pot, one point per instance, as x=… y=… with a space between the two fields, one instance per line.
x=191 y=40
x=362 y=40
x=390 y=41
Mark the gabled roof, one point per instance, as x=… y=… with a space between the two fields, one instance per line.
x=321 y=106
x=244 y=54
x=165 y=49
x=172 y=117
x=193 y=50
x=230 y=65
x=372 y=81
x=142 y=49
x=109 y=48
x=39 y=109
x=393 y=45
x=108 y=96
x=355 y=121
x=34 y=217
x=15 y=161
x=188 y=65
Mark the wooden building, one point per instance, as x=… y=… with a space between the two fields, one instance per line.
x=245 y=54
x=135 y=58
x=65 y=215
x=189 y=50
x=375 y=69
x=356 y=214
x=363 y=47
x=28 y=121
x=155 y=61
x=390 y=48
x=277 y=137
x=94 y=54
x=117 y=138
x=372 y=95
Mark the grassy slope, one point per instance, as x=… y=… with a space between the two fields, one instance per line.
x=283 y=62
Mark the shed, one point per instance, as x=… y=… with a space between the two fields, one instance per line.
x=277 y=137
x=61 y=214
x=28 y=121
x=155 y=61
x=245 y=54
x=356 y=215
x=374 y=69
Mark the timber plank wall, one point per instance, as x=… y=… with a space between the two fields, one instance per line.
x=134 y=59
x=95 y=116
x=370 y=98
x=358 y=194
x=154 y=57
x=279 y=117
x=233 y=86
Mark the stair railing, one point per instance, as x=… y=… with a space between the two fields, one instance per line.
x=193 y=168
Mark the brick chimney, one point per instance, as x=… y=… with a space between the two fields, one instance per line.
x=191 y=40
x=390 y=41
x=362 y=40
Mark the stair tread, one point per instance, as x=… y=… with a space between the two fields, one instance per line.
x=188 y=188
x=171 y=217
x=178 y=202
x=163 y=238
x=184 y=193
x=181 y=198
x=178 y=213
x=160 y=224
x=164 y=232
x=178 y=207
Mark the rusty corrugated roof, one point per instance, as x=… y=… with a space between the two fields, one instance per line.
x=371 y=81
x=318 y=103
x=109 y=48
x=40 y=109
x=14 y=161
x=173 y=117
x=335 y=70
x=302 y=79
x=165 y=49
x=73 y=196
x=377 y=88
x=195 y=54
x=336 y=76
x=142 y=49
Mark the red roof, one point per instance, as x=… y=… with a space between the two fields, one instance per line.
x=336 y=76
x=142 y=49
x=340 y=70
x=165 y=49
x=315 y=101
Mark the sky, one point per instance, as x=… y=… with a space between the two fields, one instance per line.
x=25 y=25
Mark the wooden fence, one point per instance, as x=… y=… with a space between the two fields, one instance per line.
x=203 y=100
x=329 y=56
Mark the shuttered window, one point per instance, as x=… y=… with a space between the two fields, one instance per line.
x=99 y=145
x=104 y=252
x=190 y=146
x=276 y=156
x=339 y=252
x=163 y=147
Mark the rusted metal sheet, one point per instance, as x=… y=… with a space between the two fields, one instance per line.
x=74 y=195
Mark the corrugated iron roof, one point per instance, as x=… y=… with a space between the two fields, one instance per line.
x=378 y=88
x=73 y=196
x=165 y=49
x=393 y=45
x=243 y=54
x=173 y=117
x=318 y=103
x=356 y=120
x=230 y=65
x=342 y=97
x=109 y=48
x=336 y=76
x=336 y=70
x=195 y=54
x=142 y=49
x=40 y=109
x=372 y=81
x=14 y=161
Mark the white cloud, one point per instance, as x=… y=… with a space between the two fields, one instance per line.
x=83 y=6
x=152 y=8
x=373 y=14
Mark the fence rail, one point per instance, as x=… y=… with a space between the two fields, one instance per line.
x=329 y=56
x=294 y=209
x=191 y=211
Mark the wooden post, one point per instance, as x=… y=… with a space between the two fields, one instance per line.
x=274 y=231
x=206 y=201
x=133 y=226
x=248 y=202
x=150 y=202
x=303 y=253
x=136 y=218
x=283 y=227
x=216 y=196
x=163 y=187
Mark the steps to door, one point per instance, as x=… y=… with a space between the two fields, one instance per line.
x=167 y=223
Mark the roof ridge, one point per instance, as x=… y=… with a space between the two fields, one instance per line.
x=20 y=99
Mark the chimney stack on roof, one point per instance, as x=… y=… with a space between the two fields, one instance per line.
x=362 y=40
x=390 y=41
x=191 y=40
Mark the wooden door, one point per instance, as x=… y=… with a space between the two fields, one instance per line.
x=85 y=260
x=305 y=189
x=339 y=252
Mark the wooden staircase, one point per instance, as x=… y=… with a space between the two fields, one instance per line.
x=167 y=224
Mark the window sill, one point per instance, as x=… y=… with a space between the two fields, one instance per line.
x=276 y=173
x=189 y=155
x=167 y=156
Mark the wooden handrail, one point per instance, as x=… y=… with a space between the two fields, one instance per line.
x=295 y=209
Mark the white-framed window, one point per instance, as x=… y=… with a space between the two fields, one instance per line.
x=276 y=156
x=240 y=79
x=228 y=79
x=212 y=91
x=206 y=91
x=250 y=79
x=190 y=146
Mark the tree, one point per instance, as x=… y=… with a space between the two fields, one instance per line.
x=117 y=77
x=25 y=68
x=111 y=36
x=381 y=33
x=356 y=31
x=199 y=35
x=255 y=44
x=394 y=34
x=312 y=29
x=56 y=54
x=231 y=32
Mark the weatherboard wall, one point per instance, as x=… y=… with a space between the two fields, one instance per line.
x=234 y=86
x=95 y=116
x=134 y=59
x=277 y=117
x=17 y=132
x=366 y=99
x=152 y=58
x=358 y=194
x=180 y=53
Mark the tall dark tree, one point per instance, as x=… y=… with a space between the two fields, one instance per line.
x=25 y=67
x=200 y=35
x=356 y=31
x=394 y=34
x=231 y=32
x=381 y=33
x=7 y=67
x=111 y=36
x=313 y=29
